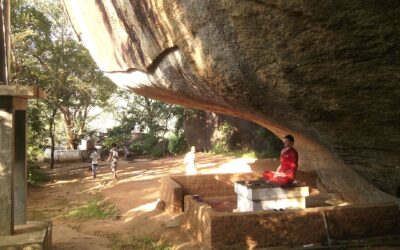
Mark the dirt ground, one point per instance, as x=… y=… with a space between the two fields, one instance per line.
x=135 y=194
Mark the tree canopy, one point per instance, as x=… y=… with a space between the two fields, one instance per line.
x=45 y=53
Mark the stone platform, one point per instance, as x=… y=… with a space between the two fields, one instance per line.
x=34 y=235
x=259 y=195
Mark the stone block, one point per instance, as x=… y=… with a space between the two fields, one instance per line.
x=363 y=221
x=266 y=228
x=259 y=195
x=247 y=205
x=171 y=195
x=34 y=235
x=262 y=191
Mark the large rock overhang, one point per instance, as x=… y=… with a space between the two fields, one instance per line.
x=324 y=71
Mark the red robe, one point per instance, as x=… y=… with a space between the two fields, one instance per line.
x=287 y=169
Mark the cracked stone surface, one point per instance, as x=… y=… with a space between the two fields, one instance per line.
x=324 y=71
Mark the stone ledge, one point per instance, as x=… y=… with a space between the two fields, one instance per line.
x=171 y=194
x=245 y=230
x=33 y=235
x=28 y=92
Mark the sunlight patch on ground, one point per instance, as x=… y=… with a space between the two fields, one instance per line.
x=205 y=165
x=240 y=165
x=131 y=214
x=141 y=177
x=144 y=175
x=103 y=184
x=66 y=181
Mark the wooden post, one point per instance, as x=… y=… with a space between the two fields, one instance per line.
x=20 y=161
x=6 y=165
x=3 y=42
x=7 y=128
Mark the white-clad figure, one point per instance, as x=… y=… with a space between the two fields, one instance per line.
x=189 y=163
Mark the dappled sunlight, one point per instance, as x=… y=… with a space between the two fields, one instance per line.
x=131 y=214
x=185 y=32
x=205 y=165
x=65 y=181
x=135 y=193
x=250 y=242
x=100 y=186
x=240 y=165
x=128 y=79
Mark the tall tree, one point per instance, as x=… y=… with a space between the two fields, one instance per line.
x=153 y=116
x=45 y=54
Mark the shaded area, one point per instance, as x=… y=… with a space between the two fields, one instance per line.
x=325 y=71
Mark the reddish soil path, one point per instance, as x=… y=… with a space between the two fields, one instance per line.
x=134 y=194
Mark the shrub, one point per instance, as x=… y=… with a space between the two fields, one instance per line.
x=143 y=145
x=219 y=148
x=160 y=148
x=221 y=145
x=117 y=139
x=177 y=144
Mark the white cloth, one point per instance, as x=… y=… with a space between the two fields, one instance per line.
x=190 y=166
x=95 y=157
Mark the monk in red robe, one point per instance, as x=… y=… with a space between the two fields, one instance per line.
x=286 y=172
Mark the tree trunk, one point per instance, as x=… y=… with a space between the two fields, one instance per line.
x=51 y=134
x=82 y=125
x=72 y=137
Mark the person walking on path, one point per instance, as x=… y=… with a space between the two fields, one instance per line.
x=114 y=159
x=189 y=162
x=95 y=161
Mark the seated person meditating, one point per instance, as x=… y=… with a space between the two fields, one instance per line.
x=286 y=172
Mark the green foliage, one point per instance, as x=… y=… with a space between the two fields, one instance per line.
x=154 y=117
x=36 y=132
x=226 y=130
x=46 y=54
x=157 y=152
x=156 y=120
x=94 y=209
x=143 y=243
x=177 y=144
x=219 y=148
x=117 y=139
x=261 y=133
x=221 y=145
x=143 y=145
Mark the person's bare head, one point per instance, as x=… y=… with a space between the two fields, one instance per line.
x=288 y=141
x=192 y=149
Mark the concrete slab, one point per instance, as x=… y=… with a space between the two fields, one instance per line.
x=260 y=190
x=247 y=205
x=33 y=235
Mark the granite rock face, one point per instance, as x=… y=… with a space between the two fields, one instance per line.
x=325 y=71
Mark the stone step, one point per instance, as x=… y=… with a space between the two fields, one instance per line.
x=33 y=235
